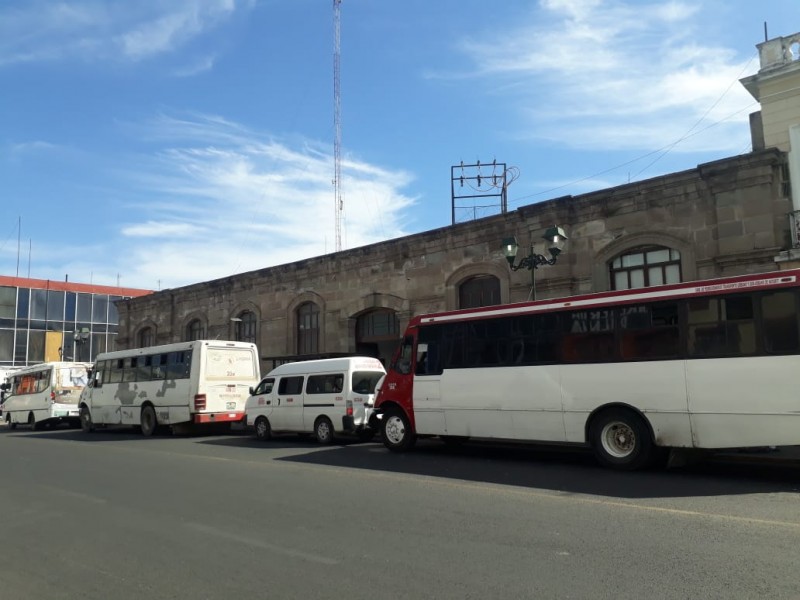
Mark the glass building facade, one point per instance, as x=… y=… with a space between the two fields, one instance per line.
x=42 y=320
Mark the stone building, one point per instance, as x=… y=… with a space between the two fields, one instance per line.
x=726 y=217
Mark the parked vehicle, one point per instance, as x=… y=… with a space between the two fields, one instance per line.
x=632 y=373
x=327 y=397
x=198 y=382
x=44 y=394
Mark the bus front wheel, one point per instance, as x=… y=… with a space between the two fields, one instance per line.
x=86 y=420
x=621 y=440
x=32 y=422
x=11 y=424
x=396 y=431
x=148 y=420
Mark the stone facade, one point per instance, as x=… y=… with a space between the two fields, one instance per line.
x=726 y=217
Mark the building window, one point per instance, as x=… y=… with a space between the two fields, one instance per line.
x=482 y=290
x=644 y=267
x=245 y=330
x=195 y=330
x=308 y=328
x=147 y=337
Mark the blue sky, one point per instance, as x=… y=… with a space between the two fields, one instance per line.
x=155 y=144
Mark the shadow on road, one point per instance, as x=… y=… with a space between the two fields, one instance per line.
x=568 y=470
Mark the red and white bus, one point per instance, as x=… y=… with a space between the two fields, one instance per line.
x=701 y=364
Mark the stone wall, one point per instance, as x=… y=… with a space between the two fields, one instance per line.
x=725 y=217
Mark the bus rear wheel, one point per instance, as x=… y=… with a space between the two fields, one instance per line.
x=86 y=420
x=148 y=420
x=396 y=431
x=621 y=440
x=32 y=422
x=262 y=429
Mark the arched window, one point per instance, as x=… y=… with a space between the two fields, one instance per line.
x=645 y=266
x=246 y=327
x=195 y=330
x=147 y=337
x=308 y=328
x=481 y=290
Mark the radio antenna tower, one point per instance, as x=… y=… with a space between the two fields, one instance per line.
x=337 y=126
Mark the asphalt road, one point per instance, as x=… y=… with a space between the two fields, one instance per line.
x=114 y=515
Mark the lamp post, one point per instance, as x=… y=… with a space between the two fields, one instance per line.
x=80 y=337
x=556 y=238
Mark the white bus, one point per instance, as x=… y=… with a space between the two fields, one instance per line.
x=44 y=394
x=199 y=382
x=702 y=364
x=328 y=397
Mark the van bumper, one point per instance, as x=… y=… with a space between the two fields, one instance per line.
x=226 y=417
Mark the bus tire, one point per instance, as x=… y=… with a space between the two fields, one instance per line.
x=396 y=431
x=323 y=431
x=148 y=420
x=263 y=432
x=32 y=422
x=621 y=440
x=11 y=424
x=86 y=420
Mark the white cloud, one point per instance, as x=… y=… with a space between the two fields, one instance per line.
x=106 y=29
x=594 y=74
x=224 y=200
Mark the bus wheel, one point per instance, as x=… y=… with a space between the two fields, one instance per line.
x=32 y=422
x=10 y=423
x=262 y=429
x=621 y=440
x=86 y=420
x=323 y=430
x=396 y=431
x=148 y=420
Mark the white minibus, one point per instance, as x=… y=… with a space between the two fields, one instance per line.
x=325 y=397
x=44 y=394
x=198 y=382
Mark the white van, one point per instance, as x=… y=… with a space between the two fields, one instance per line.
x=45 y=394
x=325 y=397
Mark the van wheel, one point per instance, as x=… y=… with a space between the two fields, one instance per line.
x=10 y=423
x=621 y=440
x=323 y=430
x=32 y=422
x=263 y=432
x=396 y=431
x=86 y=420
x=148 y=420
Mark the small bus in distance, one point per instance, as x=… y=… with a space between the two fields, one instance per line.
x=45 y=394
x=702 y=364
x=177 y=385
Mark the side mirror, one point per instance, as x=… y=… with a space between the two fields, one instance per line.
x=5 y=386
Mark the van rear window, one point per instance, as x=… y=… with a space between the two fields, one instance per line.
x=364 y=382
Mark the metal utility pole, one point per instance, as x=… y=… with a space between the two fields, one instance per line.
x=337 y=126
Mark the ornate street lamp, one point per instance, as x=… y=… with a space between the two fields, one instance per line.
x=556 y=238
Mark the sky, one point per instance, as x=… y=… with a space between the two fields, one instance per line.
x=156 y=144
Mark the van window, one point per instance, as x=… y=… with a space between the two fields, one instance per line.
x=290 y=385
x=364 y=382
x=265 y=387
x=325 y=384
